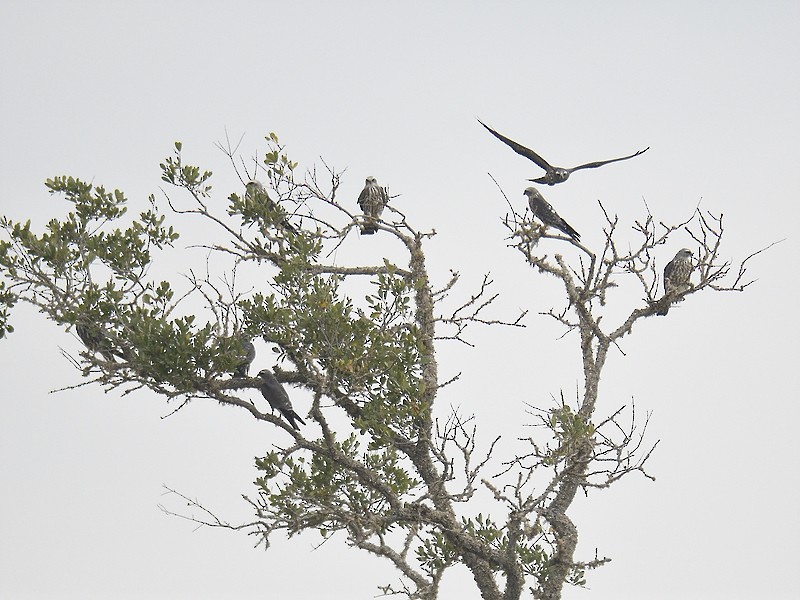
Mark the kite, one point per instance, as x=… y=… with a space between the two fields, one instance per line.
x=553 y=174
x=541 y=208
x=278 y=399
x=256 y=192
x=676 y=277
x=246 y=353
x=96 y=341
x=372 y=200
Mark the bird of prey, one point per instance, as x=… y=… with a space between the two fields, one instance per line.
x=541 y=208
x=676 y=277
x=246 y=353
x=553 y=174
x=372 y=200
x=96 y=341
x=277 y=397
x=256 y=192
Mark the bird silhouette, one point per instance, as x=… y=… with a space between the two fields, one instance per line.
x=96 y=341
x=245 y=353
x=553 y=174
x=256 y=192
x=541 y=208
x=278 y=399
x=372 y=200
x=677 y=276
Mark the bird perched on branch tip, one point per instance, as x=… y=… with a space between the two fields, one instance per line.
x=541 y=208
x=372 y=200
x=676 y=278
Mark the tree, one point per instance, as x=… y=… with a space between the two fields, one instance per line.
x=379 y=462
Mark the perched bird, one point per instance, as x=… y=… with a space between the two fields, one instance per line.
x=372 y=200
x=277 y=397
x=255 y=191
x=246 y=354
x=97 y=342
x=676 y=277
x=553 y=174
x=541 y=208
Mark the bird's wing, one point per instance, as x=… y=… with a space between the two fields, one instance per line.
x=275 y=393
x=364 y=198
x=248 y=352
x=519 y=148
x=683 y=270
x=672 y=276
x=600 y=163
x=373 y=199
x=668 y=270
x=569 y=230
x=381 y=200
x=547 y=214
x=257 y=191
x=292 y=417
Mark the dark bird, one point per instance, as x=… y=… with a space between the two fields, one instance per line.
x=246 y=353
x=256 y=192
x=541 y=208
x=372 y=200
x=96 y=341
x=676 y=278
x=553 y=174
x=277 y=397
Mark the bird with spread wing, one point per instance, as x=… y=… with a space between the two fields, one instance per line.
x=553 y=175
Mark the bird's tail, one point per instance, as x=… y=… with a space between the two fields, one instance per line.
x=570 y=231
x=288 y=226
x=293 y=418
x=369 y=227
x=664 y=303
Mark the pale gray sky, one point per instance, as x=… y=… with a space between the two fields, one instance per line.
x=100 y=90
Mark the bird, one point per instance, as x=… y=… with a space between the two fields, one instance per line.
x=246 y=353
x=553 y=174
x=541 y=208
x=256 y=192
x=676 y=277
x=278 y=399
x=96 y=341
x=372 y=200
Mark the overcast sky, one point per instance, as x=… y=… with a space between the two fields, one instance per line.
x=101 y=90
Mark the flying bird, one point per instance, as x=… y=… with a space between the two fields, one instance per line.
x=372 y=200
x=277 y=397
x=676 y=277
x=541 y=208
x=256 y=192
x=246 y=353
x=553 y=174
